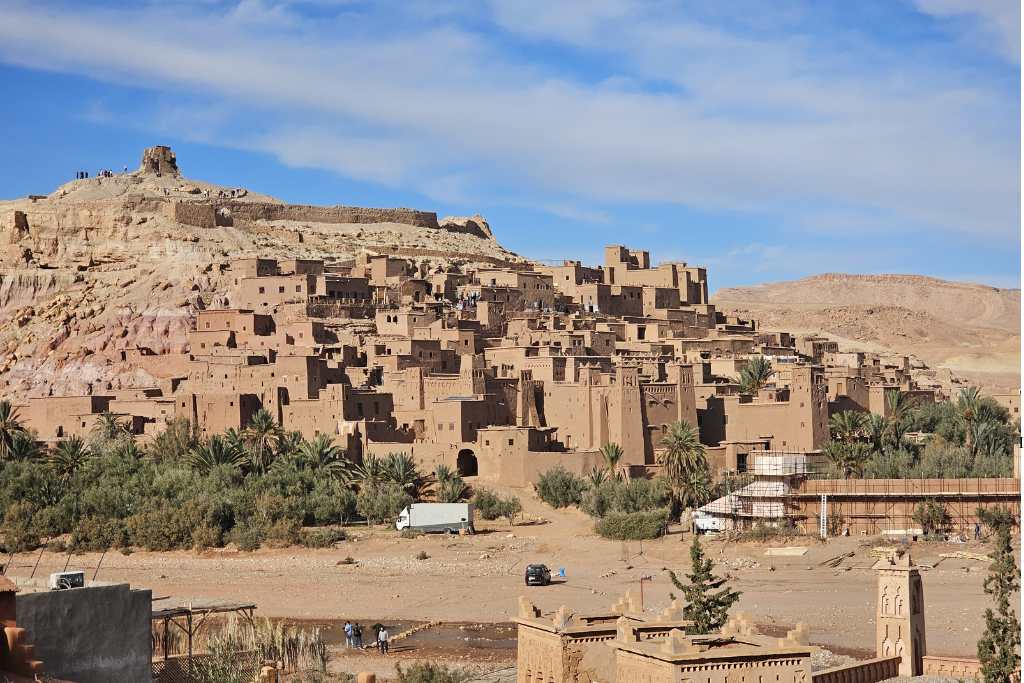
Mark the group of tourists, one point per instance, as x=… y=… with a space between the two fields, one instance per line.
x=102 y=173
x=354 y=637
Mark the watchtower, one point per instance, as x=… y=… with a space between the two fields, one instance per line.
x=899 y=616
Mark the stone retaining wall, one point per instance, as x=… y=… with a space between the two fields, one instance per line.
x=867 y=671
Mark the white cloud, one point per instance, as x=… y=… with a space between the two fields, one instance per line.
x=998 y=21
x=768 y=124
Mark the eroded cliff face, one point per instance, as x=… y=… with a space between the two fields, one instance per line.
x=105 y=267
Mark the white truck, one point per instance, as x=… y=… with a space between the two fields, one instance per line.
x=436 y=517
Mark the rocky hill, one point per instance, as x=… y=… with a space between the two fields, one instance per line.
x=971 y=329
x=112 y=263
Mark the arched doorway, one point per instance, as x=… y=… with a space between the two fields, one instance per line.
x=466 y=463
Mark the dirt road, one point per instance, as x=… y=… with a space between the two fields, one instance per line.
x=478 y=578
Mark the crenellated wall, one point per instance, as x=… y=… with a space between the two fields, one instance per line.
x=953 y=667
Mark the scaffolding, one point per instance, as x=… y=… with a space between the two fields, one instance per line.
x=785 y=488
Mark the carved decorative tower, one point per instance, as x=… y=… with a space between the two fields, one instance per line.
x=899 y=616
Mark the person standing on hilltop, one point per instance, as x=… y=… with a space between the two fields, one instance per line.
x=348 y=634
x=382 y=640
x=357 y=636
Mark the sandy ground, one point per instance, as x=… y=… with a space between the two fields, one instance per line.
x=478 y=578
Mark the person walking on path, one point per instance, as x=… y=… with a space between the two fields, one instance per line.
x=382 y=640
x=357 y=636
x=348 y=634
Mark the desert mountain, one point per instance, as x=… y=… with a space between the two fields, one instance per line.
x=122 y=261
x=970 y=329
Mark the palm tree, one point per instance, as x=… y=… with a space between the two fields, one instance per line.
x=23 y=446
x=400 y=469
x=109 y=427
x=685 y=462
x=755 y=374
x=369 y=472
x=128 y=449
x=874 y=431
x=984 y=438
x=10 y=426
x=443 y=473
x=849 y=458
x=235 y=438
x=452 y=490
x=597 y=477
x=969 y=403
x=290 y=442
x=214 y=453
x=898 y=406
x=612 y=453
x=68 y=457
x=324 y=456
x=847 y=426
x=262 y=437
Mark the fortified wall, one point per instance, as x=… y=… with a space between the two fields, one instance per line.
x=268 y=211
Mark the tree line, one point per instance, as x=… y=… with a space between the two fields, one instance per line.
x=261 y=484
x=972 y=436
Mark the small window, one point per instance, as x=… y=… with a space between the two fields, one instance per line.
x=262 y=291
x=511 y=442
x=280 y=290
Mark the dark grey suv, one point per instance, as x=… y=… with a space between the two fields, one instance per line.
x=537 y=575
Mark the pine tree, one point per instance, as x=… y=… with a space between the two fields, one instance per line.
x=706 y=606
x=998 y=649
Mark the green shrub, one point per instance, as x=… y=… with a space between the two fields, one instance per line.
x=762 y=532
x=380 y=503
x=322 y=538
x=422 y=555
x=283 y=533
x=633 y=526
x=490 y=505
x=96 y=533
x=248 y=536
x=633 y=495
x=204 y=537
x=932 y=517
x=331 y=503
x=509 y=508
x=162 y=528
x=559 y=488
x=19 y=532
x=487 y=504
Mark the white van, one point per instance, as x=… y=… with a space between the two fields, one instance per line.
x=705 y=523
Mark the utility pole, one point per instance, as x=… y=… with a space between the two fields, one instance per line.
x=642 y=579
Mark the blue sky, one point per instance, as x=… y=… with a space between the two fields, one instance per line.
x=767 y=141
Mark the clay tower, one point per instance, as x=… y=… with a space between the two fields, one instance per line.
x=899 y=616
x=160 y=160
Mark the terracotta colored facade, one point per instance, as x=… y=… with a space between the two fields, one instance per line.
x=499 y=371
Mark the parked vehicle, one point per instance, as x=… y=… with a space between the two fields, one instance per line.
x=538 y=575
x=704 y=523
x=436 y=517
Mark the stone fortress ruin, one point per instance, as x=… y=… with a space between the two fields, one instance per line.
x=423 y=337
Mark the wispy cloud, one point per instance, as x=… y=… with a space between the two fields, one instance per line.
x=656 y=106
x=996 y=23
